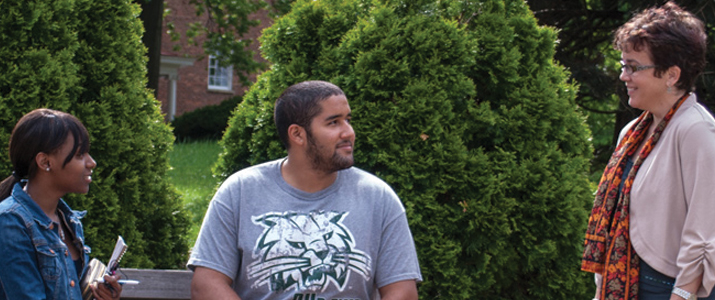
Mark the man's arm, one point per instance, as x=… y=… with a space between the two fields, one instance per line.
x=209 y=284
x=401 y=290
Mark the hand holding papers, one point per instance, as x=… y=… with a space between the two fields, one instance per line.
x=96 y=270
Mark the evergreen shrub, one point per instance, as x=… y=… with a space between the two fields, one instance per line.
x=459 y=106
x=86 y=58
x=205 y=123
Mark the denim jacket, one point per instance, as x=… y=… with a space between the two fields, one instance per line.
x=34 y=262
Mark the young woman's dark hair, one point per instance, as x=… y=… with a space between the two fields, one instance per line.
x=41 y=130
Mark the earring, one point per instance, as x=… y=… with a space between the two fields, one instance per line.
x=669 y=89
x=48 y=169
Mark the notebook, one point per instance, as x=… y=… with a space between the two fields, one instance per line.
x=96 y=269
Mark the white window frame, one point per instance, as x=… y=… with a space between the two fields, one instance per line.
x=219 y=78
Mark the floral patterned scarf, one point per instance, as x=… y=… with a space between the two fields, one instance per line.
x=607 y=248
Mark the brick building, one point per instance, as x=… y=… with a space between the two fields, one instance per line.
x=184 y=83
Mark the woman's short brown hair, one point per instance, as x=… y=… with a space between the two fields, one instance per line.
x=673 y=36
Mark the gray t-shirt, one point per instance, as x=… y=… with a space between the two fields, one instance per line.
x=278 y=242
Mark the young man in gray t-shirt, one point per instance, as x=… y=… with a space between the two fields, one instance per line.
x=309 y=226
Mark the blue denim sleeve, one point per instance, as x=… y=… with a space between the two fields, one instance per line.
x=20 y=276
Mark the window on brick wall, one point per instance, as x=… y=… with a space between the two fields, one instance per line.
x=220 y=78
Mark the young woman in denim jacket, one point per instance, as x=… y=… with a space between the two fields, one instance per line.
x=42 y=248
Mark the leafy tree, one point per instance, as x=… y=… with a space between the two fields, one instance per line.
x=86 y=58
x=223 y=34
x=585 y=33
x=152 y=16
x=460 y=107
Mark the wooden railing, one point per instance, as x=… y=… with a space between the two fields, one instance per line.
x=157 y=284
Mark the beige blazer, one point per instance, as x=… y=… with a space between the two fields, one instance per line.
x=672 y=211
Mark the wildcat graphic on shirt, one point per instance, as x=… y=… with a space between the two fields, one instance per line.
x=305 y=251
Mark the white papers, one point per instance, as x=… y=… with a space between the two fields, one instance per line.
x=117 y=254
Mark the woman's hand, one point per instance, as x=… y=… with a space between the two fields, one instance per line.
x=109 y=290
x=599 y=281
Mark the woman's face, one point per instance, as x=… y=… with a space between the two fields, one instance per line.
x=645 y=90
x=76 y=175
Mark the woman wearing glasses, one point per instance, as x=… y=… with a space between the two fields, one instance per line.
x=651 y=233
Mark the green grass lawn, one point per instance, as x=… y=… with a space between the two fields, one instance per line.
x=190 y=173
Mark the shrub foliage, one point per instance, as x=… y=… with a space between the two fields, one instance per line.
x=460 y=107
x=86 y=58
x=205 y=123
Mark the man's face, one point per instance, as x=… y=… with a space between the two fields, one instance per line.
x=331 y=137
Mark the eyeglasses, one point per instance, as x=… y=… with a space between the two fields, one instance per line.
x=630 y=69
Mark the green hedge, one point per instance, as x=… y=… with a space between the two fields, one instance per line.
x=208 y=122
x=86 y=58
x=460 y=107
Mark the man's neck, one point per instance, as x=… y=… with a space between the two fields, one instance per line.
x=301 y=175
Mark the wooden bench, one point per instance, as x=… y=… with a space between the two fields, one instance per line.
x=157 y=284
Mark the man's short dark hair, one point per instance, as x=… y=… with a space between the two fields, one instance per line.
x=299 y=104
